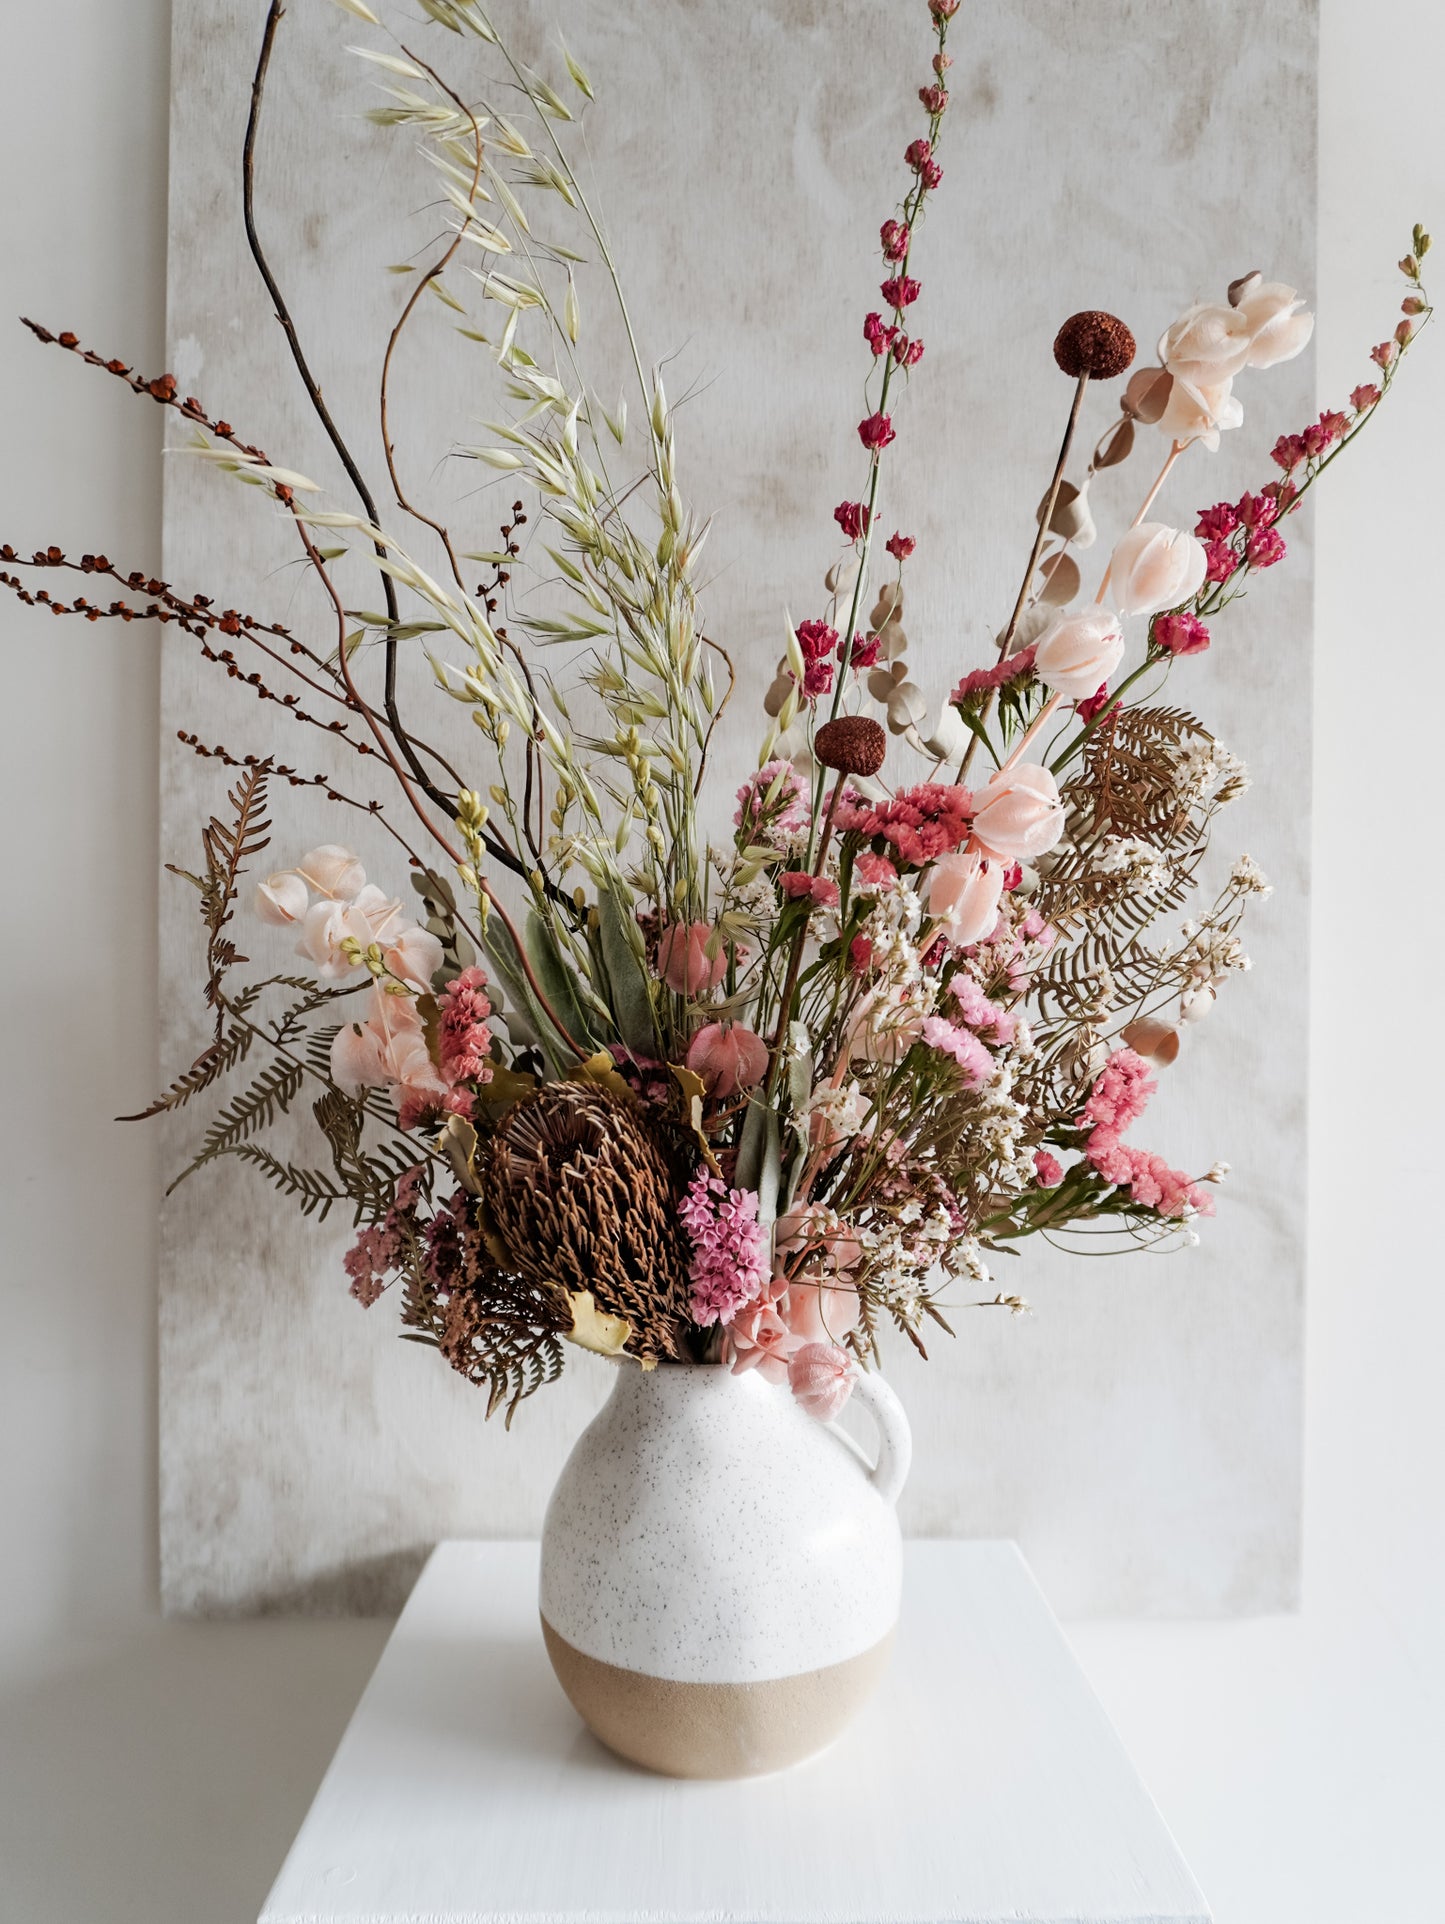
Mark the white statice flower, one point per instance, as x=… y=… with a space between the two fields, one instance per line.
x=1249 y=878
x=1212 y=953
x=834 y=1115
x=1203 y=769
x=1135 y=863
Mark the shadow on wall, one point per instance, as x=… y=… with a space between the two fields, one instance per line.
x=161 y=1779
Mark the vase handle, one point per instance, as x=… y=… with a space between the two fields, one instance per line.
x=895 y=1438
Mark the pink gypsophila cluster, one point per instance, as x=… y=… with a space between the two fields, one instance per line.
x=731 y=1258
x=921 y=823
x=464 y=1042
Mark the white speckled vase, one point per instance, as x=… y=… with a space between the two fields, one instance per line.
x=721 y=1571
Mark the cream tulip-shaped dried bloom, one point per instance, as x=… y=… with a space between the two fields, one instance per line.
x=1019 y=814
x=1155 y=567
x=1077 y=653
x=282 y=899
x=1279 y=327
x=332 y=870
x=964 y=889
x=1197 y=412
x=1208 y=344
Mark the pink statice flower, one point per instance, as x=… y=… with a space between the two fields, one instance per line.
x=981 y=681
x=1121 y=1091
x=1183 y=634
x=962 y=1045
x=384 y=1247
x=781 y=820
x=731 y=1254
x=1048 y=1170
x=464 y=1042
x=920 y=823
x=978 y=1013
x=1150 y=1180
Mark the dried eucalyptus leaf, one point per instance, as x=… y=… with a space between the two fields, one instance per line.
x=1147 y=395
x=1116 y=446
x=1061 y=579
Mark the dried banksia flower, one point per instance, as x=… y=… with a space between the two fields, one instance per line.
x=579 y=1194
x=853 y=744
x=1094 y=343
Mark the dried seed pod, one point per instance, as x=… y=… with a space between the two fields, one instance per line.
x=853 y=744
x=1156 y=1041
x=1094 y=343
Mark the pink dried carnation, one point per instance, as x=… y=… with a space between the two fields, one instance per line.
x=894 y=236
x=901 y=291
x=1364 y=397
x=818 y=679
x=1330 y=428
x=920 y=823
x=1180 y=634
x=1265 y=547
x=872 y=871
x=780 y=822
x=1216 y=523
x=1121 y=1093
x=853 y=518
x=1288 y=452
x=464 y=1042
x=980 y=681
x=1220 y=561
x=878 y=333
x=935 y=99
x=1384 y=354
x=1048 y=1170
x=907 y=353
x=876 y=432
x=1257 y=510
x=816 y=639
x=900 y=546
x=866 y=650
x=797 y=885
x=731 y=1250
x=962 y=1044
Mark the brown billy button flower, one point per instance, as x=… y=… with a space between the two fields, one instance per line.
x=1094 y=343
x=853 y=744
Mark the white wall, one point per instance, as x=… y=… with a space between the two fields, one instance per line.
x=155 y=1772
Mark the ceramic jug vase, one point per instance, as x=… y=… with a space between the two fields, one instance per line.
x=721 y=1571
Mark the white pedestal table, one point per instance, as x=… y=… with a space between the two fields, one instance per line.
x=983 y=1785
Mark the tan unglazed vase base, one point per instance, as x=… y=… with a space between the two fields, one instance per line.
x=714 y=1729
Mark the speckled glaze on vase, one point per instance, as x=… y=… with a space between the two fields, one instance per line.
x=721 y=1571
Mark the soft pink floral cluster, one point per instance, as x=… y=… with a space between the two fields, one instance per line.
x=354 y=927
x=381 y=1248
x=1119 y=1097
x=962 y=1045
x=983 y=681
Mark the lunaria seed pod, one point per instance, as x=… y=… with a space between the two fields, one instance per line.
x=1094 y=343
x=853 y=744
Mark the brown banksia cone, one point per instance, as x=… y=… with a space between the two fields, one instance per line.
x=1094 y=343
x=578 y=1193
x=853 y=744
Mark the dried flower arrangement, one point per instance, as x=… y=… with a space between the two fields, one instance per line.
x=740 y=1105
